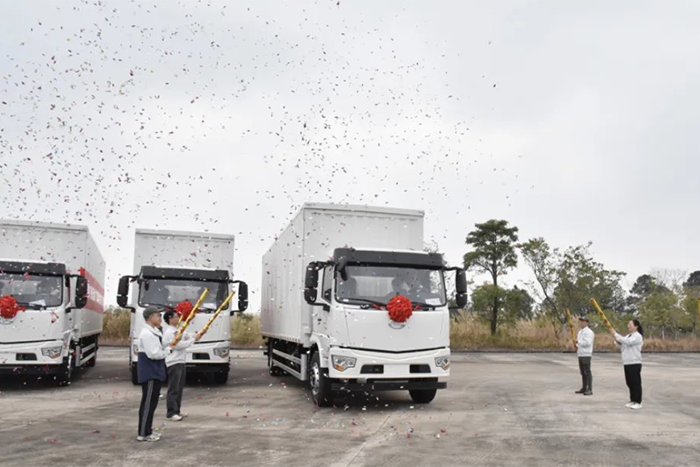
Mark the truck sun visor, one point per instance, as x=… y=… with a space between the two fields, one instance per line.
x=153 y=272
x=54 y=269
x=405 y=259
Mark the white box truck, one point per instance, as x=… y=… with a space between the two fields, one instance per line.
x=55 y=273
x=171 y=267
x=343 y=339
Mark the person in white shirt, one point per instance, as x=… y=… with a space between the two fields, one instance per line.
x=584 y=341
x=631 y=349
x=176 y=364
x=150 y=370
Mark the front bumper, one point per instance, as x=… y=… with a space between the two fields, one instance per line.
x=399 y=368
x=30 y=355
x=200 y=355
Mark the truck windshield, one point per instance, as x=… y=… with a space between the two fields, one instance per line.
x=170 y=292
x=33 y=291
x=379 y=284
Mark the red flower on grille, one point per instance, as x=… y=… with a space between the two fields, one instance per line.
x=9 y=307
x=399 y=308
x=184 y=309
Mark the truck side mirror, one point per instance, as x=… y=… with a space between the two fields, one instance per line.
x=123 y=291
x=311 y=283
x=81 y=292
x=461 y=288
x=242 y=296
x=342 y=268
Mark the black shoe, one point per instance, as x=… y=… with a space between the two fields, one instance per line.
x=580 y=391
x=588 y=393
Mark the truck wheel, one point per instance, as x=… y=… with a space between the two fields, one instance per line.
x=221 y=377
x=274 y=370
x=422 y=396
x=134 y=375
x=319 y=383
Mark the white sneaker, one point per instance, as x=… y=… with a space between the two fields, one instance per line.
x=629 y=405
x=636 y=406
x=151 y=438
x=175 y=418
x=183 y=414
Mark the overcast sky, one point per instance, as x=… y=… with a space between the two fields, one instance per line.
x=575 y=121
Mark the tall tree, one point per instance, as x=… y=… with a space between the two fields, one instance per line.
x=494 y=253
x=569 y=278
x=513 y=304
x=693 y=280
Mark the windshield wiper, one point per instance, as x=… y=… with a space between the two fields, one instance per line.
x=366 y=301
x=424 y=306
x=32 y=306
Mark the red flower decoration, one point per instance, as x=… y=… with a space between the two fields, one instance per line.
x=399 y=308
x=9 y=307
x=184 y=309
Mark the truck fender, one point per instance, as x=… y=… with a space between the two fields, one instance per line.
x=322 y=348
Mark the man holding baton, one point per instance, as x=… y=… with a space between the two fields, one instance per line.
x=585 y=339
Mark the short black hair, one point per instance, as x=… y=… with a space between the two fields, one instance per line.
x=169 y=315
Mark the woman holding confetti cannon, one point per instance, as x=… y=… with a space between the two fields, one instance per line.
x=631 y=349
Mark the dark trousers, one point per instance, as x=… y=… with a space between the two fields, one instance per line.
x=584 y=364
x=633 y=378
x=149 y=401
x=176 y=384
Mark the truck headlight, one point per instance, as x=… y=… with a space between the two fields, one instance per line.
x=342 y=363
x=442 y=362
x=52 y=352
x=221 y=352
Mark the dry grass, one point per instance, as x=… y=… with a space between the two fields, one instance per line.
x=466 y=333
x=245 y=330
x=115 y=328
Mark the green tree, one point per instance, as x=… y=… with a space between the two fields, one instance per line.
x=569 y=279
x=513 y=304
x=662 y=312
x=494 y=253
x=693 y=280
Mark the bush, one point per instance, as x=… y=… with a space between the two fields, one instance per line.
x=115 y=327
x=245 y=330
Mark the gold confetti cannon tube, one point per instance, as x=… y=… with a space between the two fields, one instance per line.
x=571 y=328
x=602 y=315
x=218 y=312
x=181 y=330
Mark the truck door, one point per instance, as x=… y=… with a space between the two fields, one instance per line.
x=321 y=316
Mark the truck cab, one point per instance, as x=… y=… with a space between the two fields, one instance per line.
x=356 y=346
x=169 y=286
x=45 y=337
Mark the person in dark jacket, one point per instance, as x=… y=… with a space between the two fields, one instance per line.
x=151 y=371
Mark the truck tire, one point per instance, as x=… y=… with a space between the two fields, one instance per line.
x=221 y=377
x=134 y=375
x=319 y=383
x=422 y=396
x=274 y=370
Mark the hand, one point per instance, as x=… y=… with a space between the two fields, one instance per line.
x=198 y=336
x=613 y=332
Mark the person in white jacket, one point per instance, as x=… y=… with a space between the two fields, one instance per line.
x=631 y=349
x=584 y=341
x=151 y=371
x=176 y=364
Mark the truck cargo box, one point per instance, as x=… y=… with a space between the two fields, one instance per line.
x=312 y=235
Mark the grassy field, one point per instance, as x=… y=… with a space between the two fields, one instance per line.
x=466 y=333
